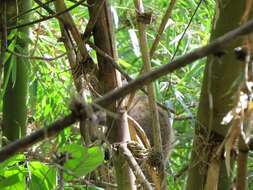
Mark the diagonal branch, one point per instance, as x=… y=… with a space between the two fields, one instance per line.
x=53 y=129
x=46 y=18
x=214 y=47
x=135 y=166
x=162 y=27
x=39 y=135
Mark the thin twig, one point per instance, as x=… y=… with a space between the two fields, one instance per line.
x=67 y=20
x=183 y=117
x=46 y=18
x=135 y=166
x=128 y=78
x=41 y=134
x=162 y=27
x=213 y=47
x=185 y=30
x=36 y=57
x=108 y=57
x=93 y=19
x=28 y=11
x=181 y=172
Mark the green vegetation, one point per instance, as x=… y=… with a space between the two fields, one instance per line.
x=40 y=82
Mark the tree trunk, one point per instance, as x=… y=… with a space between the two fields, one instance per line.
x=14 y=100
x=222 y=79
x=110 y=79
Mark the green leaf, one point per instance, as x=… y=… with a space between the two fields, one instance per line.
x=23 y=36
x=124 y=63
x=13 y=160
x=12 y=35
x=9 y=181
x=43 y=177
x=82 y=160
x=10 y=67
x=13 y=179
x=14 y=71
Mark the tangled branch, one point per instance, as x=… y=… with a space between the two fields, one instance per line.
x=78 y=113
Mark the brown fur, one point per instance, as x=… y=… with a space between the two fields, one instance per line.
x=139 y=111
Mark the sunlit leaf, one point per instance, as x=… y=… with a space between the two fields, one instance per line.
x=82 y=160
x=12 y=179
x=124 y=63
x=11 y=161
x=43 y=177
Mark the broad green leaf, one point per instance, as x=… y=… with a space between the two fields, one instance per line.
x=9 y=181
x=13 y=179
x=11 y=161
x=43 y=177
x=82 y=160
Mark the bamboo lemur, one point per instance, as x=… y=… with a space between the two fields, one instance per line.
x=139 y=111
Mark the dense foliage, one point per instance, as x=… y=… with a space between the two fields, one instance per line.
x=51 y=88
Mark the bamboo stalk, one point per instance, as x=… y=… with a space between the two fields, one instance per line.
x=157 y=140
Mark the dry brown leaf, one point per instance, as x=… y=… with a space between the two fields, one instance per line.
x=137 y=133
